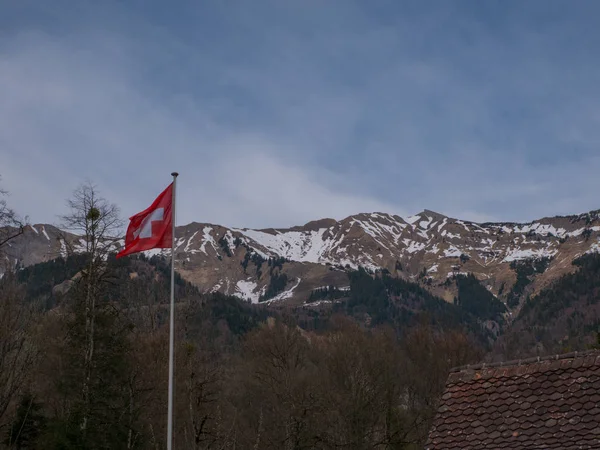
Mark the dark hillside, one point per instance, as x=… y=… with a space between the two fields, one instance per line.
x=563 y=317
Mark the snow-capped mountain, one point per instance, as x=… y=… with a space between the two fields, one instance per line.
x=429 y=248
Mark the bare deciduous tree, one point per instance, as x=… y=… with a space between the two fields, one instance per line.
x=362 y=378
x=11 y=225
x=430 y=354
x=93 y=218
x=16 y=349
x=282 y=376
x=99 y=224
x=200 y=378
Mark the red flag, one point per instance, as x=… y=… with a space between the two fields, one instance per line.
x=152 y=227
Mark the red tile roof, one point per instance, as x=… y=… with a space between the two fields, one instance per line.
x=540 y=403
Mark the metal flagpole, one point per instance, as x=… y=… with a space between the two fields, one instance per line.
x=172 y=321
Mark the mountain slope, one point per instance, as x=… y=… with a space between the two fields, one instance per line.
x=510 y=260
x=562 y=317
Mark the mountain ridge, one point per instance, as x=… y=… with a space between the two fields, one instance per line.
x=429 y=248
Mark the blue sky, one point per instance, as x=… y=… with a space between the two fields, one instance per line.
x=277 y=112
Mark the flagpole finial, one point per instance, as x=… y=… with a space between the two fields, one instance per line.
x=174 y=174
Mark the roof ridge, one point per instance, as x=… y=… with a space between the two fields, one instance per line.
x=520 y=362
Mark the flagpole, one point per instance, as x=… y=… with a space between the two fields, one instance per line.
x=172 y=320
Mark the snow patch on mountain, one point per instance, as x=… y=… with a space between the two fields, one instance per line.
x=188 y=248
x=230 y=240
x=580 y=231
x=319 y=302
x=246 y=289
x=207 y=239
x=517 y=254
x=412 y=219
x=434 y=249
x=595 y=248
x=452 y=252
x=413 y=246
x=425 y=223
x=457 y=274
x=372 y=229
x=155 y=252
x=393 y=230
x=294 y=245
x=63 y=248
x=443 y=224
x=460 y=222
x=449 y=235
x=179 y=242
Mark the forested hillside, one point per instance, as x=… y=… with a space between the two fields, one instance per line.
x=563 y=317
x=362 y=369
x=84 y=348
x=241 y=380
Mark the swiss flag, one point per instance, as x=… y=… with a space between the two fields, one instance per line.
x=151 y=228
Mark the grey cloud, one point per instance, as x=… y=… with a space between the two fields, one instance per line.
x=276 y=115
x=70 y=118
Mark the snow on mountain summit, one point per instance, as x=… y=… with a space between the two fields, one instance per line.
x=425 y=241
x=426 y=247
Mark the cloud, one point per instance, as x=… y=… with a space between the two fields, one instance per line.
x=275 y=114
x=257 y=181
x=73 y=117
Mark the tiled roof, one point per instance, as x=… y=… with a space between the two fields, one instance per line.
x=550 y=403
